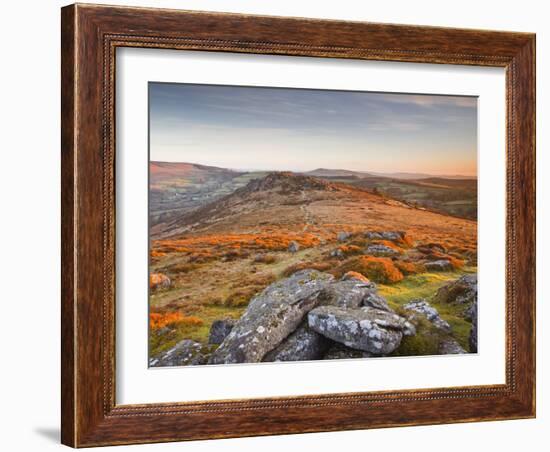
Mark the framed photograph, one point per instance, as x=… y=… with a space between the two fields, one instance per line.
x=282 y=225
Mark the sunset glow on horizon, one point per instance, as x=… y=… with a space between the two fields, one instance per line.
x=276 y=129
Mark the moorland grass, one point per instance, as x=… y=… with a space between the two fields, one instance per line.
x=425 y=285
x=161 y=341
x=230 y=299
x=424 y=342
x=422 y=285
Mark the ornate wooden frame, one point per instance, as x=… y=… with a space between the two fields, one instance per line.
x=90 y=35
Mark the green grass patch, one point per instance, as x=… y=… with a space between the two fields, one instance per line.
x=424 y=342
x=461 y=330
x=159 y=343
x=422 y=285
x=425 y=285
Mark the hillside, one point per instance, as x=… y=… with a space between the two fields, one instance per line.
x=304 y=203
x=457 y=197
x=451 y=195
x=176 y=188
x=335 y=173
x=216 y=257
x=328 y=172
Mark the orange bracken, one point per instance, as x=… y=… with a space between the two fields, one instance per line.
x=378 y=269
x=159 y=320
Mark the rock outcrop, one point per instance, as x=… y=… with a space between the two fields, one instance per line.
x=380 y=250
x=306 y=344
x=450 y=347
x=271 y=316
x=472 y=340
x=302 y=345
x=348 y=293
x=374 y=300
x=368 y=329
x=462 y=291
x=440 y=265
x=219 y=330
x=422 y=307
x=184 y=353
x=394 y=236
x=311 y=316
x=340 y=351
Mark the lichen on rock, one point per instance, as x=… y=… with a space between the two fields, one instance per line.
x=184 y=353
x=368 y=329
x=271 y=316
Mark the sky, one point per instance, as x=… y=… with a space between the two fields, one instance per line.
x=277 y=129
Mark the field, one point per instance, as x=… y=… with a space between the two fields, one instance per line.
x=456 y=197
x=239 y=232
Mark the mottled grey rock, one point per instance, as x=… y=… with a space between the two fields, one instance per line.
x=302 y=345
x=293 y=247
x=422 y=307
x=373 y=300
x=368 y=329
x=184 y=353
x=271 y=316
x=343 y=236
x=380 y=250
x=340 y=351
x=471 y=311
x=472 y=340
x=385 y=235
x=372 y=235
x=462 y=291
x=345 y=294
x=393 y=235
x=440 y=265
x=219 y=330
x=450 y=347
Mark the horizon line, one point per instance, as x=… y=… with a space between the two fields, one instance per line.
x=368 y=172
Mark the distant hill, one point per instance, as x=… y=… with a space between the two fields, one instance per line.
x=172 y=175
x=452 y=195
x=324 y=172
x=438 y=182
x=260 y=194
x=179 y=192
x=297 y=202
x=457 y=197
x=182 y=187
x=421 y=176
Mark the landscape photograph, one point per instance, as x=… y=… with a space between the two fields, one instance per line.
x=294 y=224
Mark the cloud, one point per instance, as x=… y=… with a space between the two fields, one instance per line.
x=267 y=126
x=431 y=100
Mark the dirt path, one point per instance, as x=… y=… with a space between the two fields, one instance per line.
x=308 y=217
